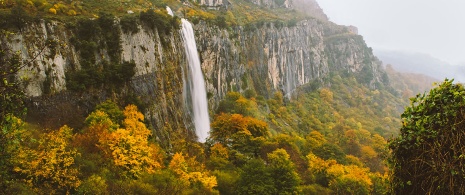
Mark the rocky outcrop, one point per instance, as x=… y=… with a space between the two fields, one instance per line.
x=271 y=58
x=264 y=58
x=214 y=3
x=273 y=3
x=48 y=62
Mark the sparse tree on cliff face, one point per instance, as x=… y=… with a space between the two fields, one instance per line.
x=428 y=155
x=11 y=94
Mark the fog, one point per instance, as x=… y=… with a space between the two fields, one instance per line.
x=432 y=27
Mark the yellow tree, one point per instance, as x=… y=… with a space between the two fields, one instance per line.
x=219 y=151
x=219 y=157
x=225 y=126
x=326 y=95
x=189 y=175
x=315 y=139
x=50 y=165
x=318 y=167
x=99 y=129
x=129 y=147
x=342 y=179
x=349 y=179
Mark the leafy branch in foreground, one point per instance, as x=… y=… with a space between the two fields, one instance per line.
x=428 y=155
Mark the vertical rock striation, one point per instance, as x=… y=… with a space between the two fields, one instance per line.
x=266 y=57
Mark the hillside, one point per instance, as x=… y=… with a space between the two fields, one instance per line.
x=409 y=84
x=109 y=103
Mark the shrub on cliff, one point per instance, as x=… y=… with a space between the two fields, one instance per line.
x=156 y=19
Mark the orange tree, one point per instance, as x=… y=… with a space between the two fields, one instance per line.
x=428 y=155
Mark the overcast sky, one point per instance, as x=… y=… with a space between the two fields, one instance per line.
x=427 y=26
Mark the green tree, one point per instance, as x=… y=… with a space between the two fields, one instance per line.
x=428 y=155
x=13 y=136
x=244 y=134
x=114 y=112
x=93 y=185
x=227 y=181
x=255 y=179
x=286 y=179
x=235 y=103
x=11 y=93
x=330 y=151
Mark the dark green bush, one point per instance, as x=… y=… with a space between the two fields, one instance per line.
x=110 y=36
x=159 y=20
x=129 y=24
x=107 y=75
x=428 y=155
x=91 y=37
x=220 y=21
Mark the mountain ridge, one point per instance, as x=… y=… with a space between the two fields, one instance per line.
x=421 y=63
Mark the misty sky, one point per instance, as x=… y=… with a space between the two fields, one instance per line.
x=427 y=26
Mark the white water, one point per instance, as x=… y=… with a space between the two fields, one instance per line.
x=170 y=12
x=196 y=83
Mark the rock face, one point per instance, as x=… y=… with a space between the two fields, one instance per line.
x=266 y=58
x=213 y=3
x=49 y=62
x=273 y=3
x=271 y=58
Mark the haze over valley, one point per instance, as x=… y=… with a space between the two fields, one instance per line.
x=420 y=36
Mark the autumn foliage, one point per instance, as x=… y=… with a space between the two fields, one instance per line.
x=313 y=144
x=49 y=163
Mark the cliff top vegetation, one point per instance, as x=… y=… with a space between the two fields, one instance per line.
x=236 y=12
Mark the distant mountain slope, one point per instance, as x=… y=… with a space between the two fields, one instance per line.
x=421 y=64
x=409 y=84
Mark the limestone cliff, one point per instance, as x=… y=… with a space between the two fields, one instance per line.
x=270 y=58
x=265 y=57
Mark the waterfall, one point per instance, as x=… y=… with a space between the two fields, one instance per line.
x=170 y=12
x=196 y=83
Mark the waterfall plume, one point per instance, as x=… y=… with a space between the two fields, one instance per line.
x=195 y=83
